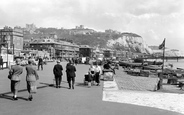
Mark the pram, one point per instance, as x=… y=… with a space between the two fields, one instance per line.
x=108 y=75
x=88 y=78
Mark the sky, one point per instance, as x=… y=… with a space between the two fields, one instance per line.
x=154 y=20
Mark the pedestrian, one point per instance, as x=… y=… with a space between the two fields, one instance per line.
x=31 y=78
x=98 y=72
x=76 y=61
x=70 y=72
x=91 y=75
x=15 y=72
x=40 y=63
x=1 y=62
x=57 y=70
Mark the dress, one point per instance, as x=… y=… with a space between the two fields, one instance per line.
x=91 y=74
x=98 y=72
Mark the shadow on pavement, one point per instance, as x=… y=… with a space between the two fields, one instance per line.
x=51 y=85
x=81 y=85
x=6 y=96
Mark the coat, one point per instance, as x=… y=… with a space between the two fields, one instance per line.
x=32 y=74
x=16 y=71
x=70 y=70
x=1 y=61
x=57 y=70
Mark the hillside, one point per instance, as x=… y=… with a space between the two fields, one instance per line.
x=115 y=40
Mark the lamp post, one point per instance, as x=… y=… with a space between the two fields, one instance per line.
x=50 y=48
x=13 y=46
x=0 y=48
x=6 y=42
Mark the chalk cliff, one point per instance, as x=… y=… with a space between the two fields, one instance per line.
x=130 y=42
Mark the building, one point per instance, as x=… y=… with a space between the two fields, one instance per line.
x=56 y=49
x=81 y=30
x=85 y=51
x=12 y=40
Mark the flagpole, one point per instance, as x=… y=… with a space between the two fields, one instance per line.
x=161 y=75
x=163 y=56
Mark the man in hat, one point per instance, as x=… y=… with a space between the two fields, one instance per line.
x=1 y=62
x=57 y=70
x=40 y=63
x=15 y=72
x=70 y=72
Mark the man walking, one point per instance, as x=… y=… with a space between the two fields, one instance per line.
x=1 y=62
x=70 y=72
x=40 y=63
x=15 y=78
x=57 y=70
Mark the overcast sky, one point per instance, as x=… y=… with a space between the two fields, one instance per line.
x=154 y=20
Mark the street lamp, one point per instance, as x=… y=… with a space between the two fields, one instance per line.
x=6 y=42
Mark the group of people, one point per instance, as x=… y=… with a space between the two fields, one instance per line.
x=70 y=72
x=94 y=75
x=31 y=78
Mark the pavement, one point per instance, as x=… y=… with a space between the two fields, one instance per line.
x=80 y=101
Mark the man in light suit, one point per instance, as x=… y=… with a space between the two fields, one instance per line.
x=15 y=72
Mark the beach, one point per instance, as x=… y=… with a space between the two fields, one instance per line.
x=139 y=90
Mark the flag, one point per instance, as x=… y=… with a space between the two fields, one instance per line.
x=162 y=45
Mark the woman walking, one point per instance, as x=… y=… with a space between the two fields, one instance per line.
x=31 y=79
x=91 y=75
x=15 y=72
x=98 y=72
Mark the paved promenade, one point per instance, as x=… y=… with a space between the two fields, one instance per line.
x=51 y=101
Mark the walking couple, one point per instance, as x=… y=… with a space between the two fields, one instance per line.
x=31 y=78
x=70 y=73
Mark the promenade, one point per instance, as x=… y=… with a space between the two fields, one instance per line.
x=80 y=101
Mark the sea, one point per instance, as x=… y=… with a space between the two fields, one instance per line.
x=176 y=63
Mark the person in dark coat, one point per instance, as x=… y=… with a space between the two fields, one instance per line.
x=31 y=78
x=1 y=62
x=40 y=63
x=15 y=71
x=70 y=72
x=57 y=70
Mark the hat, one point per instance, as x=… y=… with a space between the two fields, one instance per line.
x=30 y=61
x=58 y=61
x=17 y=61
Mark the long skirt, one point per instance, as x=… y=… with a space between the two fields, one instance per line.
x=31 y=86
x=14 y=85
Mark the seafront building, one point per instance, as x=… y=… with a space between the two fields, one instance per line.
x=15 y=42
x=56 y=49
x=11 y=40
